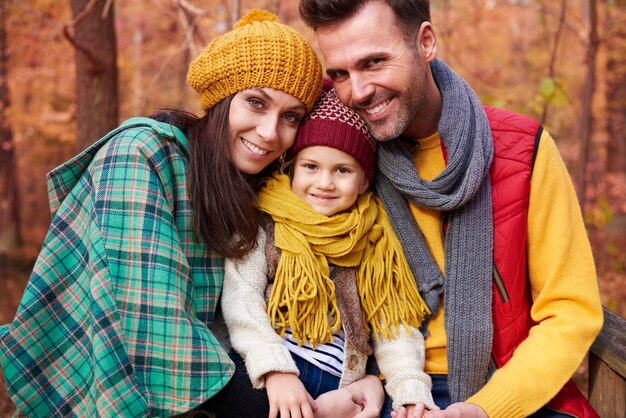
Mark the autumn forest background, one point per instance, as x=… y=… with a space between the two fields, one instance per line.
x=70 y=70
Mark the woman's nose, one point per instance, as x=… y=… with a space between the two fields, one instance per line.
x=268 y=128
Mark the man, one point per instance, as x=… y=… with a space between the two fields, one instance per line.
x=485 y=209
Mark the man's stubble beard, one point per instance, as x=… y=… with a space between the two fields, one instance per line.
x=409 y=109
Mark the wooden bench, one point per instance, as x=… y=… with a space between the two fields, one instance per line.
x=607 y=368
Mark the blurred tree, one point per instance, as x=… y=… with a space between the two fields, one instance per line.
x=235 y=12
x=589 y=88
x=616 y=86
x=9 y=192
x=94 y=40
x=552 y=80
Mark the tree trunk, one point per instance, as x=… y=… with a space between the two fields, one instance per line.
x=96 y=70
x=553 y=55
x=235 y=12
x=138 y=93
x=616 y=89
x=10 y=236
x=586 y=116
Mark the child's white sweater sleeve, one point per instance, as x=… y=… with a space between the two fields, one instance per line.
x=401 y=361
x=244 y=310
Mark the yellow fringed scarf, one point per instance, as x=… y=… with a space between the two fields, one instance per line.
x=303 y=295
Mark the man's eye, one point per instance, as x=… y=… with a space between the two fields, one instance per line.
x=337 y=75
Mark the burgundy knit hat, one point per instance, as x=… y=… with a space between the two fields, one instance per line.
x=334 y=125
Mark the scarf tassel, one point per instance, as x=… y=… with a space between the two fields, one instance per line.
x=389 y=296
x=303 y=299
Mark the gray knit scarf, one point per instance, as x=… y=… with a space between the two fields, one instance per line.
x=463 y=191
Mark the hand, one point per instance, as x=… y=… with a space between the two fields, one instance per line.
x=458 y=410
x=369 y=393
x=288 y=397
x=409 y=411
x=338 y=403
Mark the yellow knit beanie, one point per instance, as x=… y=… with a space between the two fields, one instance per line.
x=258 y=52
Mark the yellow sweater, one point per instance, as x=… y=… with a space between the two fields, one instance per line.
x=563 y=282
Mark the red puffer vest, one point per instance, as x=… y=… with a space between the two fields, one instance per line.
x=516 y=138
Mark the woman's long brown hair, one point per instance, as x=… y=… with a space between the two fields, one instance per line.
x=224 y=200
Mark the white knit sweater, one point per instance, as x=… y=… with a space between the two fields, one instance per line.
x=400 y=360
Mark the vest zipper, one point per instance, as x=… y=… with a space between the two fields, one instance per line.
x=497 y=279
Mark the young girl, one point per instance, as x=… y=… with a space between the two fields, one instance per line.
x=116 y=318
x=327 y=273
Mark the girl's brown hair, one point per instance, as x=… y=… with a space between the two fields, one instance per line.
x=224 y=200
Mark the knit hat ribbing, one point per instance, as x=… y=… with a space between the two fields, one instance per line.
x=258 y=52
x=332 y=124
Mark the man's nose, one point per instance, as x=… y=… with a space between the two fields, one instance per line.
x=361 y=89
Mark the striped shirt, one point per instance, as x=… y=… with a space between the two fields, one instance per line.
x=327 y=356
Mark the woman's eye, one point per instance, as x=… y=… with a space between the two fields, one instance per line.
x=255 y=102
x=343 y=170
x=292 y=117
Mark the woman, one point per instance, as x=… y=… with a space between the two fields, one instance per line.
x=115 y=320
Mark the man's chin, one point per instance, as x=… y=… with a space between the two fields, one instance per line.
x=383 y=135
x=387 y=130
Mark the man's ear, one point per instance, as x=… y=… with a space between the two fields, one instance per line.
x=427 y=41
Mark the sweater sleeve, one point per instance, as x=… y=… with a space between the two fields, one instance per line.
x=566 y=303
x=401 y=361
x=244 y=310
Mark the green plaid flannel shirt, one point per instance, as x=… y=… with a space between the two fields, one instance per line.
x=115 y=318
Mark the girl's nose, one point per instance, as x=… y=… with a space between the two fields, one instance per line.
x=325 y=181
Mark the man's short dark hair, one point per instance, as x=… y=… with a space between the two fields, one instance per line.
x=410 y=13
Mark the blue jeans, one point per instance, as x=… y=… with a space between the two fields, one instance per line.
x=441 y=396
x=315 y=380
x=238 y=399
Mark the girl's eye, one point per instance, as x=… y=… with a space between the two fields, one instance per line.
x=343 y=170
x=309 y=166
